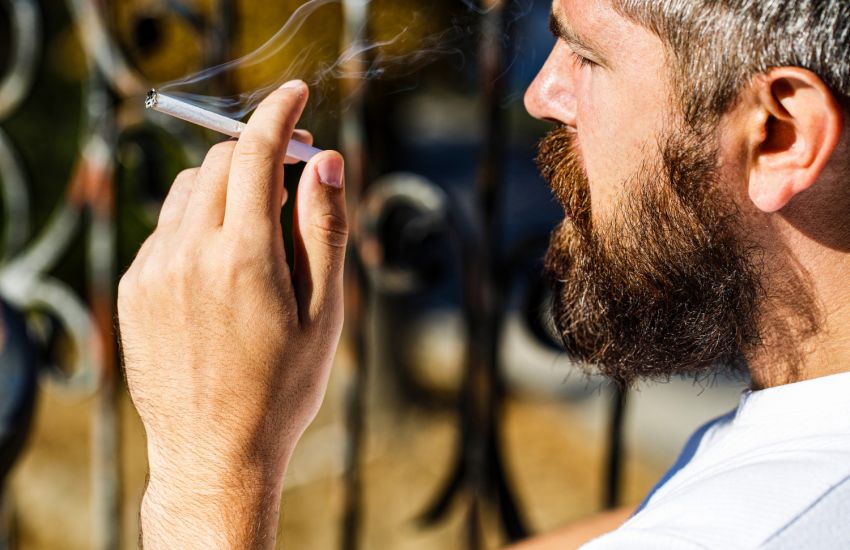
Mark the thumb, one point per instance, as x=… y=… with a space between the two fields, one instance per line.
x=320 y=237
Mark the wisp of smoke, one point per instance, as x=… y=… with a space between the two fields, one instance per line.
x=381 y=55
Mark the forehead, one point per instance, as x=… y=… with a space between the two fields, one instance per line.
x=601 y=24
x=626 y=43
x=592 y=12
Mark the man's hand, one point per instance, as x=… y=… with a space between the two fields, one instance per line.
x=228 y=346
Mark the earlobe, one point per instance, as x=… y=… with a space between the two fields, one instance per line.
x=799 y=125
x=770 y=194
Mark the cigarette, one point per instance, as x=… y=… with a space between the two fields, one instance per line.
x=214 y=121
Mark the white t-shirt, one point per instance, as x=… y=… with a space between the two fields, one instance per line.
x=774 y=473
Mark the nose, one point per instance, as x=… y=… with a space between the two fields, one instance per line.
x=552 y=94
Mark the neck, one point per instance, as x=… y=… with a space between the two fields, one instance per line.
x=806 y=322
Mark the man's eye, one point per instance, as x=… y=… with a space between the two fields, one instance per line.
x=582 y=61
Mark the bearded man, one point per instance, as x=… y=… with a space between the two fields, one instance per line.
x=701 y=158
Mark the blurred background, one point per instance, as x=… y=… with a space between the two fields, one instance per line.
x=452 y=418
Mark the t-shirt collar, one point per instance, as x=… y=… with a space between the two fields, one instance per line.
x=824 y=396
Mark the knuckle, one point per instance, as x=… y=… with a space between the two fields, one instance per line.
x=220 y=152
x=186 y=176
x=282 y=107
x=325 y=324
x=242 y=254
x=126 y=289
x=148 y=276
x=232 y=258
x=181 y=266
x=284 y=101
x=139 y=271
x=332 y=230
x=238 y=271
x=258 y=149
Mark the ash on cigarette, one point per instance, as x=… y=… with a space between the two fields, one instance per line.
x=150 y=101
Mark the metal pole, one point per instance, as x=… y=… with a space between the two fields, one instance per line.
x=97 y=172
x=614 y=462
x=480 y=472
x=486 y=469
x=353 y=146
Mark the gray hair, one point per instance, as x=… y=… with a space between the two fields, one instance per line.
x=716 y=47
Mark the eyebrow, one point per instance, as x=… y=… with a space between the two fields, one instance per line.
x=563 y=32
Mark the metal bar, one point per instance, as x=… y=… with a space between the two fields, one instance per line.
x=15 y=85
x=480 y=471
x=25 y=50
x=614 y=460
x=353 y=146
x=490 y=186
x=105 y=466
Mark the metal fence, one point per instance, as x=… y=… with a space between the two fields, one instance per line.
x=406 y=230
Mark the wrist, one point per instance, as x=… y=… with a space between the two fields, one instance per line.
x=211 y=503
x=240 y=515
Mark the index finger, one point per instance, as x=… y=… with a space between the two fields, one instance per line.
x=255 y=185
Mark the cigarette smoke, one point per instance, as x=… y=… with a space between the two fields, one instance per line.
x=404 y=51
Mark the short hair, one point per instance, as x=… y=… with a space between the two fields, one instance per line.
x=717 y=47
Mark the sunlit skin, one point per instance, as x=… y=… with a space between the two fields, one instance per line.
x=781 y=151
x=781 y=155
x=611 y=94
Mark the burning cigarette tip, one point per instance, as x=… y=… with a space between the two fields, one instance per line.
x=150 y=101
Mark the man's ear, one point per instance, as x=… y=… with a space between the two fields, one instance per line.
x=799 y=126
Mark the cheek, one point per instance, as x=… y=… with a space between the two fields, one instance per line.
x=617 y=126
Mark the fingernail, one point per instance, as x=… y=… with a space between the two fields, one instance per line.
x=292 y=84
x=330 y=171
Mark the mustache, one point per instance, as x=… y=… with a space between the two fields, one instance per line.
x=560 y=164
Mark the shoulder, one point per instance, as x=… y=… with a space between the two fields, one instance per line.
x=778 y=499
x=823 y=524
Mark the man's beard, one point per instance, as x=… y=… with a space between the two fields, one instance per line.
x=665 y=286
